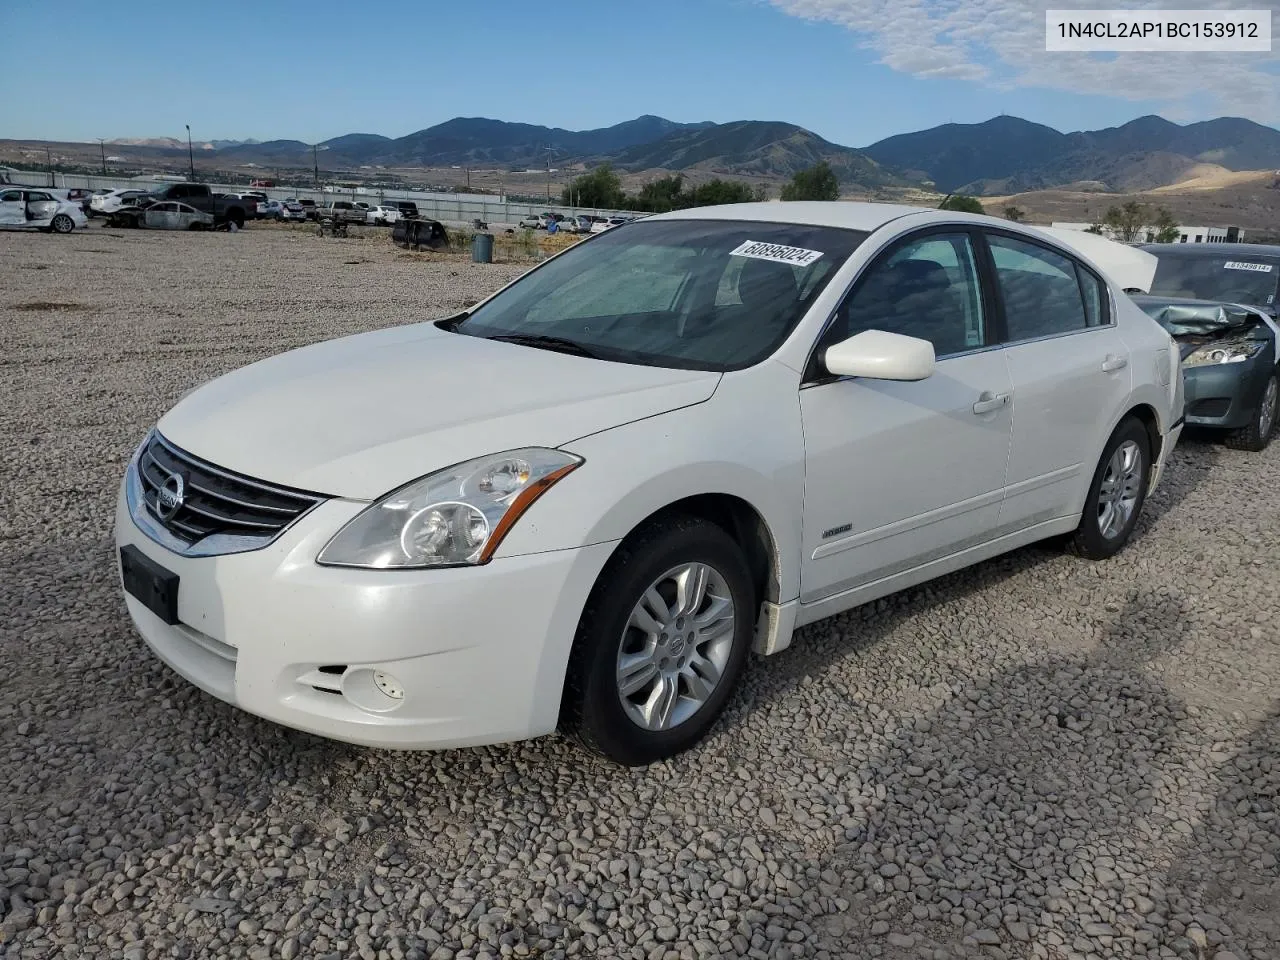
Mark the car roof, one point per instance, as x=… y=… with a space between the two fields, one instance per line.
x=1213 y=249
x=851 y=215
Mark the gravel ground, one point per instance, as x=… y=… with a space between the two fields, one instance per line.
x=1039 y=757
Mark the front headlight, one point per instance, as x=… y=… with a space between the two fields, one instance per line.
x=455 y=517
x=1214 y=353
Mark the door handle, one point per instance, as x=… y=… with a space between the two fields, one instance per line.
x=988 y=401
x=1111 y=363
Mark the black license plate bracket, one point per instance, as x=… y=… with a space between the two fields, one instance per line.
x=151 y=584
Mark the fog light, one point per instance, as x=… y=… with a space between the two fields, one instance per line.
x=388 y=685
x=375 y=691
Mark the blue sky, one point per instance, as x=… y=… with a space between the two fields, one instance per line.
x=853 y=71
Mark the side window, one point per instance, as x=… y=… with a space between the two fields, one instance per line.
x=11 y=196
x=927 y=288
x=38 y=197
x=1042 y=295
x=1096 y=303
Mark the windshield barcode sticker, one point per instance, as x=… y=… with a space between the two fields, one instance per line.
x=1242 y=265
x=796 y=256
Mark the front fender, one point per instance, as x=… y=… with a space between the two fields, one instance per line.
x=746 y=441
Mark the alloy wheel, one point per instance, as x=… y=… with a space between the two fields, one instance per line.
x=1267 y=415
x=675 y=646
x=1119 y=490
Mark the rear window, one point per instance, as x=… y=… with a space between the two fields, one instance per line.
x=1233 y=278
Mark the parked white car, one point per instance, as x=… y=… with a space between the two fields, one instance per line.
x=695 y=434
x=382 y=215
x=35 y=209
x=100 y=204
x=533 y=222
x=600 y=226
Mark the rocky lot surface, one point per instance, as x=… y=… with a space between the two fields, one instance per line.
x=1039 y=757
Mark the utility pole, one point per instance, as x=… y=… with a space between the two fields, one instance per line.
x=191 y=156
x=48 y=160
x=102 y=144
x=315 y=159
x=548 y=173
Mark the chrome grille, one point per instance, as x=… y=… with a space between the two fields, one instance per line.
x=216 y=501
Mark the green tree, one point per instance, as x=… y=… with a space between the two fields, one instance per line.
x=960 y=203
x=600 y=187
x=659 y=196
x=1132 y=222
x=1126 y=220
x=1016 y=214
x=721 y=191
x=1166 y=227
x=818 y=182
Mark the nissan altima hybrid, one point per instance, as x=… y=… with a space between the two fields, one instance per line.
x=581 y=504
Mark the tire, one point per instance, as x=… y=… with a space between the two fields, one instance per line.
x=237 y=217
x=1104 y=533
x=594 y=710
x=62 y=224
x=1262 y=428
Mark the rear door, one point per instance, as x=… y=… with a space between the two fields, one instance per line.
x=41 y=207
x=1070 y=371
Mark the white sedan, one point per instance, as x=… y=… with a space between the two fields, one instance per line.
x=25 y=208
x=694 y=435
x=382 y=215
x=101 y=204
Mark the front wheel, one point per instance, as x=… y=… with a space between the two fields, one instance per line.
x=62 y=224
x=661 y=643
x=1117 y=493
x=1257 y=434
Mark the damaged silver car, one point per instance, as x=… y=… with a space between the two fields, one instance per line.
x=1219 y=300
x=1228 y=365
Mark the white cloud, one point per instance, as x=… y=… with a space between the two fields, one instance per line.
x=1000 y=43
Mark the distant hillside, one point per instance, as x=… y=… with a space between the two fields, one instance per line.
x=755 y=147
x=1007 y=155
x=958 y=153
x=474 y=141
x=1000 y=156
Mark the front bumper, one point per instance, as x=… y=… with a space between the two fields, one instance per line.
x=479 y=653
x=1226 y=395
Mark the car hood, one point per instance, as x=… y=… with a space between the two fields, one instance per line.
x=1193 y=323
x=359 y=416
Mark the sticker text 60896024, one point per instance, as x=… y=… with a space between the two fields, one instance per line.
x=796 y=256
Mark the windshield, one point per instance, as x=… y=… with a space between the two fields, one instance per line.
x=699 y=294
x=1233 y=278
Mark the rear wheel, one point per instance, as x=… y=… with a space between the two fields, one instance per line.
x=1117 y=494
x=1258 y=433
x=661 y=643
x=62 y=224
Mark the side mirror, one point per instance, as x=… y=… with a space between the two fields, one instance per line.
x=880 y=355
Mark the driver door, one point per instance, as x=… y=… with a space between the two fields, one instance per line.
x=898 y=474
x=13 y=209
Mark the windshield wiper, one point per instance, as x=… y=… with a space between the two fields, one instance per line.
x=545 y=342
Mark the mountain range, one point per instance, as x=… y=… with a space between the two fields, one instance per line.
x=1010 y=155
x=999 y=156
